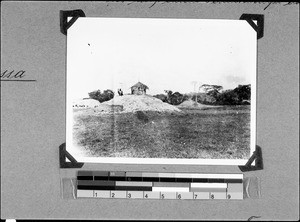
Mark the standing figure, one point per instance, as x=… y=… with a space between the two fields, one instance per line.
x=120 y=92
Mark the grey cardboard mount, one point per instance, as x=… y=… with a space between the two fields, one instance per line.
x=33 y=116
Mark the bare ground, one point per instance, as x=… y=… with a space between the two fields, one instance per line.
x=214 y=133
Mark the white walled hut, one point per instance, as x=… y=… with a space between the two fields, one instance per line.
x=139 y=89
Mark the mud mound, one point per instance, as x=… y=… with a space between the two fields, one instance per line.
x=133 y=103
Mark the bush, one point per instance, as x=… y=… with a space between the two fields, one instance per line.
x=243 y=92
x=228 y=97
x=204 y=99
x=176 y=98
x=102 y=97
x=236 y=96
x=172 y=98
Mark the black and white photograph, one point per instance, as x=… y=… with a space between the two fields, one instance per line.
x=161 y=91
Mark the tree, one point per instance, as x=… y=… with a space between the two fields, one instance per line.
x=236 y=96
x=108 y=94
x=228 y=97
x=243 y=92
x=172 y=98
x=176 y=98
x=211 y=89
x=102 y=97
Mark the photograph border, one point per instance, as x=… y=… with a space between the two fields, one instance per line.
x=173 y=161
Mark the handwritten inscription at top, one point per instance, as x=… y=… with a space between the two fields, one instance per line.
x=213 y=2
x=12 y=75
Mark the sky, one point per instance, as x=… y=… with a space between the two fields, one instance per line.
x=164 y=54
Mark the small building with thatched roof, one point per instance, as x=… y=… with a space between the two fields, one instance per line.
x=139 y=89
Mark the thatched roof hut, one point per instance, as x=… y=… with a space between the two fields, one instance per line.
x=139 y=88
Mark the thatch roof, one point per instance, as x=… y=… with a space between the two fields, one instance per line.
x=139 y=84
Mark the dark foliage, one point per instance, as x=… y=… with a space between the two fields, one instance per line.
x=211 y=89
x=172 y=98
x=228 y=97
x=244 y=92
x=241 y=95
x=102 y=97
x=204 y=98
x=176 y=98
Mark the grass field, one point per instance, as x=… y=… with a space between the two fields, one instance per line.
x=218 y=133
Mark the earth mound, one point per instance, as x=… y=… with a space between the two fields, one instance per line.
x=133 y=103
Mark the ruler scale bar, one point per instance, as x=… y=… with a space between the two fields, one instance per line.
x=151 y=185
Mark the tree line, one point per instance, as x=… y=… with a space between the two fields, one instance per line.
x=213 y=95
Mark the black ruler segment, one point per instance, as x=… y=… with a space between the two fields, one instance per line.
x=92 y=187
x=101 y=178
x=95 y=185
x=167 y=179
x=233 y=180
x=151 y=179
x=200 y=180
x=117 y=178
x=213 y=180
x=135 y=178
x=186 y=180
x=84 y=177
